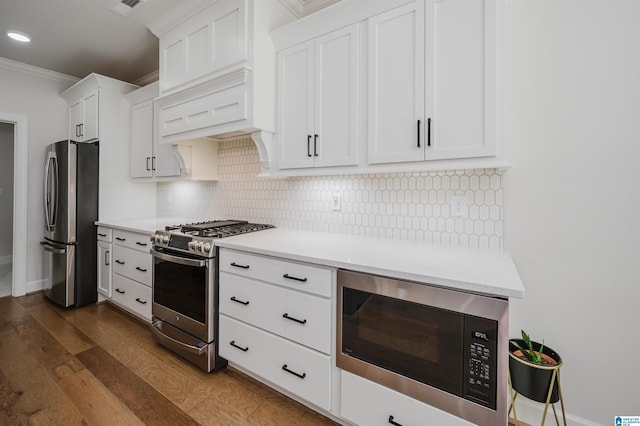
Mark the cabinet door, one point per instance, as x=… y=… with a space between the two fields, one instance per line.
x=75 y=120
x=295 y=106
x=336 y=98
x=461 y=78
x=90 y=123
x=104 y=268
x=396 y=85
x=142 y=139
x=165 y=162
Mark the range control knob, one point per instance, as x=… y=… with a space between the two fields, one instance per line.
x=207 y=247
x=191 y=245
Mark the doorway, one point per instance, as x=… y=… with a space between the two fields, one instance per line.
x=6 y=208
x=13 y=131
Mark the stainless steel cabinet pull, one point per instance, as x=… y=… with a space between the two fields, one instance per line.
x=302 y=376
x=121 y=239
x=308 y=145
x=141 y=244
x=289 y=277
x=142 y=302
x=106 y=258
x=286 y=315
x=233 y=343
x=101 y=235
x=233 y=298
x=120 y=291
x=148 y=168
x=81 y=129
x=239 y=266
x=141 y=269
x=153 y=163
x=120 y=262
x=392 y=422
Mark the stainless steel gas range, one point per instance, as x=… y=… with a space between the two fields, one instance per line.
x=185 y=288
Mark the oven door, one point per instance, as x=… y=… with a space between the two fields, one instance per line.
x=184 y=292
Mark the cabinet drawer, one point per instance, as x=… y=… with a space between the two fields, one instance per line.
x=299 y=276
x=132 y=240
x=300 y=317
x=132 y=264
x=132 y=296
x=104 y=234
x=300 y=370
x=381 y=403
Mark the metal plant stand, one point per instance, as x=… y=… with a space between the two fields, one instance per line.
x=555 y=377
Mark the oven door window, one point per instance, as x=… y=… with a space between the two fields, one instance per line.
x=417 y=341
x=181 y=288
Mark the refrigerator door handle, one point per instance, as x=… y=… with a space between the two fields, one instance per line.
x=53 y=249
x=49 y=197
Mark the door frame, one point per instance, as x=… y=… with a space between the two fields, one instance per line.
x=20 y=181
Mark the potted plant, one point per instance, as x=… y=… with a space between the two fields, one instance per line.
x=533 y=369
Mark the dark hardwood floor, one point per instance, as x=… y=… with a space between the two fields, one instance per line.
x=96 y=365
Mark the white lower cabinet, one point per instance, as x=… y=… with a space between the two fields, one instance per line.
x=125 y=269
x=300 y=370
x=367 y=403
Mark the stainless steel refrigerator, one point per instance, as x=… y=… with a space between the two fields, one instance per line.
x=70 y=210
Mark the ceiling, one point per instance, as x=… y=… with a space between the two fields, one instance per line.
x=78 y=37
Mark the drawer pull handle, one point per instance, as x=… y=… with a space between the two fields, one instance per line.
x=392 y=422
x=120 y=291
x=120 y=262
x=289 y=277
x=141 y=244
x=233 y=298
x=101 y=235
x=121 y=239
x=286 y=315
x=142 y=302
x=302 y=376
x=239 y=266
x=141 y=269
x=233 y=343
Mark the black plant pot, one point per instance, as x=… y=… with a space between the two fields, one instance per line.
x=533 y=380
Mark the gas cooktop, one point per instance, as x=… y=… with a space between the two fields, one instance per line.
x=198 y=238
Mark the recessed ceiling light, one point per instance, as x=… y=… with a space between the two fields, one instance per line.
x=18 y=36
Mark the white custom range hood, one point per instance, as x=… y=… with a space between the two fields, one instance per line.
x=217 y=71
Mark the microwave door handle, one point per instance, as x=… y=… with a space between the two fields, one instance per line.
x=178 y=259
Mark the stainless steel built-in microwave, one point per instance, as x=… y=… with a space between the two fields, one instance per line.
x=443 y=347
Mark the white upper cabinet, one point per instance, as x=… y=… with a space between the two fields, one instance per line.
x=396 y=84
x=432 y=81
x=461 y=43
x=83 y=117
x=212 y=40
x=318 y=101
x=427 y=92
x=148 y=157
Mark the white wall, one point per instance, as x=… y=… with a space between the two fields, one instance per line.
x=6 y=191
x=35 y=95
x=571 y=198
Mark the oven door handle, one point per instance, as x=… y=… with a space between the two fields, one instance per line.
x=176 y=344
x=178 y=259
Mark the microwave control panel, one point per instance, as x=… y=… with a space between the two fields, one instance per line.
x=480 y=360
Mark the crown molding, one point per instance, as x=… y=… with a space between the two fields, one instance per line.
x=302 y=8
x=145 y=80
x=37 y=71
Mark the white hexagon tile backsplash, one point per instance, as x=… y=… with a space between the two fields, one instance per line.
x=407 y=206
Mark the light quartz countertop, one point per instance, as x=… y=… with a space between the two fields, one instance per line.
x=489 y=272
x=146 y=225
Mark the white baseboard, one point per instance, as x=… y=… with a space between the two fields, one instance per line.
x=6 y=259
x=33 y=286
x=531 y=412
